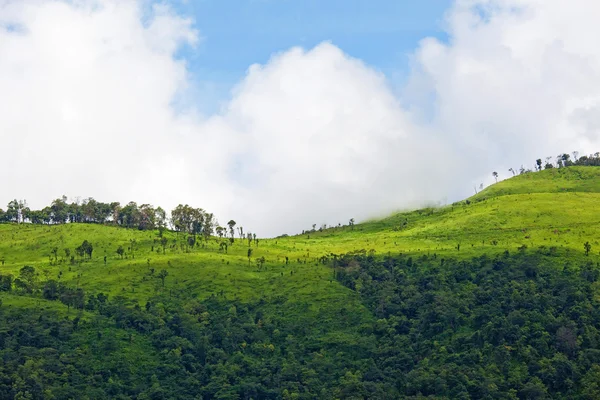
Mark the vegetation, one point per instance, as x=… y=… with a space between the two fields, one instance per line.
x=492 y=297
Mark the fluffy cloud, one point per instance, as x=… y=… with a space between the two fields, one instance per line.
x=321 y=139
x=86 y=92
x=89 y=90
x=519 y=79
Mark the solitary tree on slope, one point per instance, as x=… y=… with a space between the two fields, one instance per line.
x=587 y=246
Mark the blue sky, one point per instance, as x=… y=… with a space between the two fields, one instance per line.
x=239 y=33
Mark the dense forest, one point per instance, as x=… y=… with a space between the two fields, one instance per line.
x=143 y=217
x=514 y=326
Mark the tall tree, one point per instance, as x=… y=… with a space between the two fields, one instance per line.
x=16 y=211
x=231 y=225
x=115 y=211
x=59 y=210
x=28 y=276
x=160 y=219
x=209 y=224
x=147 y=217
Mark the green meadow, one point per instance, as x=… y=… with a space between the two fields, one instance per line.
x=554 y=208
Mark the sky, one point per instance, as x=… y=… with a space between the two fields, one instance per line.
x=283 y=114
x=240 y=33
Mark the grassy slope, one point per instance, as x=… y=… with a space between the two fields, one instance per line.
x=550 y=208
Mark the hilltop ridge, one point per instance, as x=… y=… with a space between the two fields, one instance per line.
x=555 y=180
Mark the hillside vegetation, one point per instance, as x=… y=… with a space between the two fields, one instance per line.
x=492 y=297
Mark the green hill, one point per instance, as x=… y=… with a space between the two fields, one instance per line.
x=555 y=180
x=492 y=297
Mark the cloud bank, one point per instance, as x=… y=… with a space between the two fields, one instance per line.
x=96 y=102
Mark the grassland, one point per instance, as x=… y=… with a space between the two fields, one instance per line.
x=554 y=208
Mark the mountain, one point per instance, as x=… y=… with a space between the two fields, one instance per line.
x=495 y=296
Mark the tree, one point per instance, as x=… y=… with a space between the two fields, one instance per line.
x=231 y=225
x=223 y=246
x=160 y=220
x=6 y=283
x=162 y=275
x=147 y=217
x=132 y=247
x=80 y=251
x=130 y=216
x=59 y=210
x=115 y=211
x=191 y=241
x=495 y=175
x=17 y=211
x=534 y=389
x=120 y=251
x=163 y=243
x=249 y=254
x=512 y=170
x=86 y=248
x=28 y=277
x=209 y=224
x=50 y=291
x=538 y=162
x=587 y=246
x=351 y=223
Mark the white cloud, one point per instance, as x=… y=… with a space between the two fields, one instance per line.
x=513 y=78
x=87 y=91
